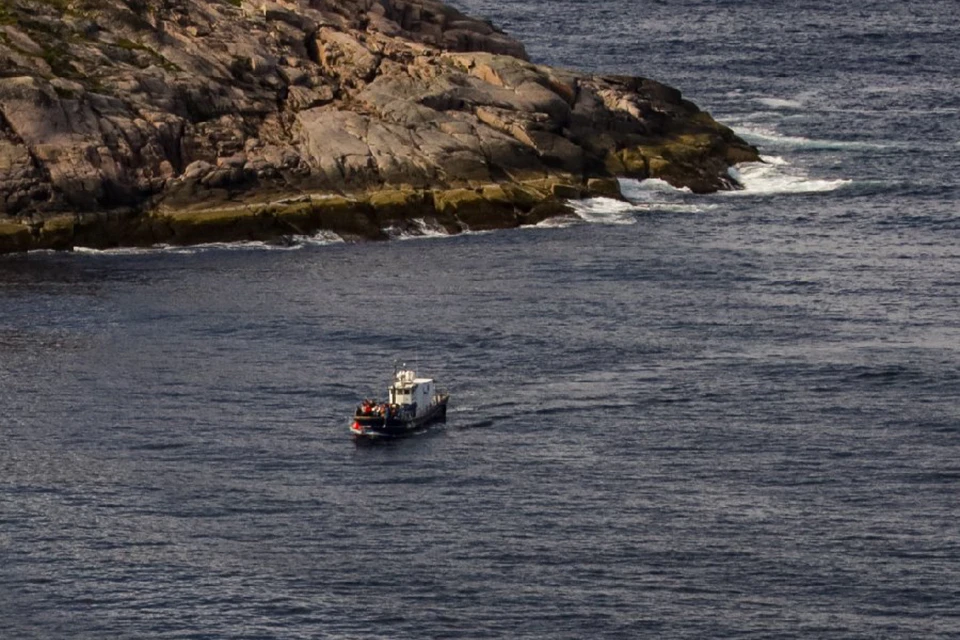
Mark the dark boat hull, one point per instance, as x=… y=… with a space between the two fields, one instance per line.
x=366 y=427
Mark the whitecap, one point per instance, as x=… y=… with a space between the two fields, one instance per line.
x=604 y=211
x=321 y=238
x=477 y=232
x=559 y=222
x=775 y=160
x=290 y=243
x=768 y=137
x=116 y=251
x=250 y=245
x=423 y=229
x=736 y=120
x=668 y=207
x=777 y=177
x=647 y=190
x=779 y=103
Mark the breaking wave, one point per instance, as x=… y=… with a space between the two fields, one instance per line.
x=772 y=176
x=655 y=195
x=420 y=228
x=559 y=222
x=119 y=251
x=642 y=196
x=776 y=176
x=604 y=211
x=290 y=243
x=647 y=190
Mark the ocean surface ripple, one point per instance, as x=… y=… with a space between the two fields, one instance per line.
x=686 y=416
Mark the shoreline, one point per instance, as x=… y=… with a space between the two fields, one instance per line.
x=364 y=216
x=310 y=116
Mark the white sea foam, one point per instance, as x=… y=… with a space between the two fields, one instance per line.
x=293 y=243
x=775 y=160
x=604 y=211
x=768 y=137
x=559 y=222
x=423 y=229
x=253 y=245
x=118 y=251
x=677 y=207
x=319 y=239
x=780 y=103
x=752 y=118
x=477 y=232
x=777 y=176
x=647 y=190
x=431 y=229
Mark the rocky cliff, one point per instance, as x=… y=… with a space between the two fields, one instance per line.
x=133 y=122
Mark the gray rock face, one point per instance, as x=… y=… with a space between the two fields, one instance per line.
x=159 y=105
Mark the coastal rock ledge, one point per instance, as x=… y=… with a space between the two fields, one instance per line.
x=138 y=122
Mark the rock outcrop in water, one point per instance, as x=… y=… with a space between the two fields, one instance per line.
x=135 y=122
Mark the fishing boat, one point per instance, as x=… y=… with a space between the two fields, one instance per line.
x=412 y=405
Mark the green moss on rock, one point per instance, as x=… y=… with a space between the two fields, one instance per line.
x=153 y=57
x=346 y=216
x=15 y=237
x=629 y=163
x=7 y=17
x=57 y=233
x=219 y=225
x=696 y=159
x=524 y=197
x=545 y=210
x=393 y=205
x=470 y=208
x=604 y=187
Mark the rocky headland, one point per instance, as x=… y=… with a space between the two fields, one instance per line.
x=140 y=122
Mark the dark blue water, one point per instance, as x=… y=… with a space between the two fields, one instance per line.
x=697 y=417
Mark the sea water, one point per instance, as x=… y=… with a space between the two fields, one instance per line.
x=732 y=415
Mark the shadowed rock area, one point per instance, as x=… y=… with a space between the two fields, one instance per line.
x=137 y=122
